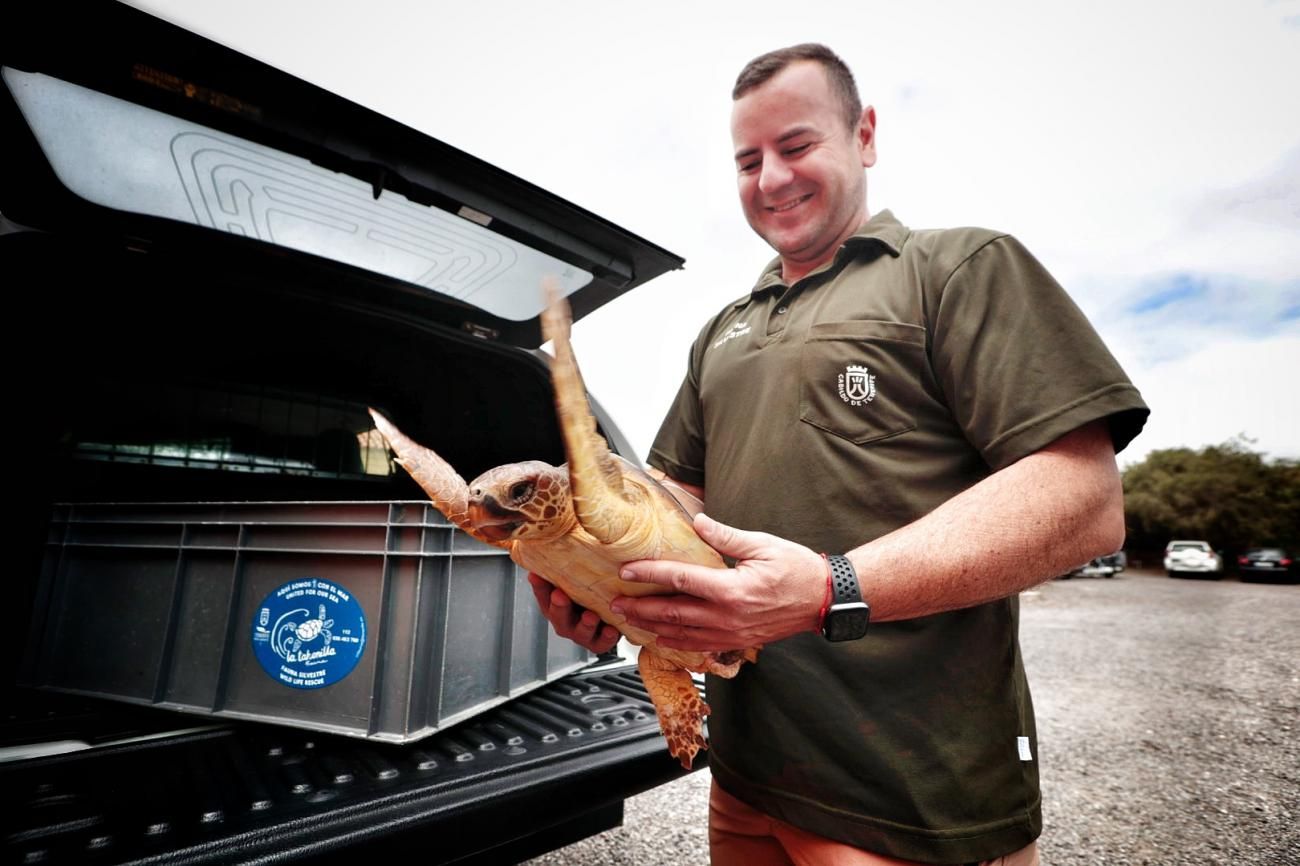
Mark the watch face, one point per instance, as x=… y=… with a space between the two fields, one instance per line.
x=847 y=622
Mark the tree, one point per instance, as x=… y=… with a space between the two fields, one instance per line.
x=1227 y=494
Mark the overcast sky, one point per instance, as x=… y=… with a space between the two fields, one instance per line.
x=1147 y=152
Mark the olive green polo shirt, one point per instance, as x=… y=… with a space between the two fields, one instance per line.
x=831 y=412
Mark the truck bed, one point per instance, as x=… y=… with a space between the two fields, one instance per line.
x=547 y=768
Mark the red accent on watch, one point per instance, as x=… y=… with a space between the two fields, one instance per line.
x=826 y=602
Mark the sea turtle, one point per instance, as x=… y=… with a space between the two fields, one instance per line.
x=577 y=524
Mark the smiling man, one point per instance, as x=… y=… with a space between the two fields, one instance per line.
x=893 y=433
x=800 y=161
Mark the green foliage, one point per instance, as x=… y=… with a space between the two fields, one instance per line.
x=1227 y=494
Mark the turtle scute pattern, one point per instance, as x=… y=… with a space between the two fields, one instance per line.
x=576 y=524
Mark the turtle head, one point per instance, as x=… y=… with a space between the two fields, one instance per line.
x=521 y=501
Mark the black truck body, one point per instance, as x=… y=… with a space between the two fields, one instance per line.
x=134 y=333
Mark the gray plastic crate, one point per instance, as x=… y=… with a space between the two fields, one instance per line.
x=372 y=619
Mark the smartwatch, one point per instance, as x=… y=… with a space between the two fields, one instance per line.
x=848 y=614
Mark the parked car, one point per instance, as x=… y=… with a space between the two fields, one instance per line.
x=1266 y=563
x=214 y=268
x=1102 y=566
x=1117 y=561
x=1097 y=567
x=1192 y=558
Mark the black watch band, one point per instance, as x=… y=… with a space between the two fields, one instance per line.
x=848 y=614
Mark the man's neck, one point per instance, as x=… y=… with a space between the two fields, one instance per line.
x=793 y=271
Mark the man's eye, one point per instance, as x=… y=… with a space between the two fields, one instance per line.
x=746 y=167
x=796 y=150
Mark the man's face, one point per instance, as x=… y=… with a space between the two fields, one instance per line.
x=800 y=171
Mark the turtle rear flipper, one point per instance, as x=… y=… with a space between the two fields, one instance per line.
x=679 y=705
x=604 y=505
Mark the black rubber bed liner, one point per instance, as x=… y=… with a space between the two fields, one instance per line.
x=532 y=774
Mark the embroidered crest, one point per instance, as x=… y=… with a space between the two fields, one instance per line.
x=857 y=385
x=739 y=329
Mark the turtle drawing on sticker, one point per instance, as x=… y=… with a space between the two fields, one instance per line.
x=289 y=637
x=576 y=524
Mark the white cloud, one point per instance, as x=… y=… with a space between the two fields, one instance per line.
x=1166 y=316
x=1221 y=390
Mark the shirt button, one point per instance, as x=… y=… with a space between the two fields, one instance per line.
x=780 y=310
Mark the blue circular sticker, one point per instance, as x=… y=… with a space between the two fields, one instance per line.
x=309 y=633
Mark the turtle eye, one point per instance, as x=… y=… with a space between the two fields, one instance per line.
x=521 y=491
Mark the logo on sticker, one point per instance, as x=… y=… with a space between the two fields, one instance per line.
x=857 y=385
x=309 y=633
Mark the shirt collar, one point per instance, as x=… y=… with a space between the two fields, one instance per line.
x=883 y=229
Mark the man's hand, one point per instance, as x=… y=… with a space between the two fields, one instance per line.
x=776 y=590
x=577 y=624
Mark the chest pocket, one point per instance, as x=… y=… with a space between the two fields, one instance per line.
x=861 y=380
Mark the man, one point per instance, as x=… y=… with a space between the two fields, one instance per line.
x=931 y=406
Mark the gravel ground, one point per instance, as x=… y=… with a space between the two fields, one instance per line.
x=1168 y=722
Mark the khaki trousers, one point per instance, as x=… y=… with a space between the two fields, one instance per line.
x=740 y=835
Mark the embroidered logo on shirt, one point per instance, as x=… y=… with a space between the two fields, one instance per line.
x=739 y=329
x=857 y=385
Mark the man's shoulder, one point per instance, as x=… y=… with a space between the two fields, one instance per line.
x=885 y=229
x=942 y=254
x=960 y=243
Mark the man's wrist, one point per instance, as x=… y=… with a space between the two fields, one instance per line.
x=827 y=597
x=848 y=614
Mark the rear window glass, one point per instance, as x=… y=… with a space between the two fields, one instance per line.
x=124 y=156
x=226 y=428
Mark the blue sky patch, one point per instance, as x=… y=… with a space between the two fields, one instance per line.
x=1169 y=316
x=1164 y=291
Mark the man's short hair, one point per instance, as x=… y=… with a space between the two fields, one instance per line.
x=764 y=67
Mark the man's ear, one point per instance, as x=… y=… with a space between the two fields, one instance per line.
x=866 y=134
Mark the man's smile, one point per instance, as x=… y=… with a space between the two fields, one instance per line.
x=790 y=205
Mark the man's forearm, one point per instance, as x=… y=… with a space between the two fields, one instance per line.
x=1031 y=521
x=689 y=496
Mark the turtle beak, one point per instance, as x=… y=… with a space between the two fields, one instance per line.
x=491 y=519
x=498 y=531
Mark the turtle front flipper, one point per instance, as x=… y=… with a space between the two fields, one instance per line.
x=678 y=703
x=447 y=490
x=603 y=505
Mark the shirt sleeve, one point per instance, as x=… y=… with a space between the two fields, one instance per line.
x=678 y=450
x=1019 y=363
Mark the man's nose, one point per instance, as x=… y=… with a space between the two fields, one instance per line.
x=773 y=175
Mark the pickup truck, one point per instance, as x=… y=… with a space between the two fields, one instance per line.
x=213 y=269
